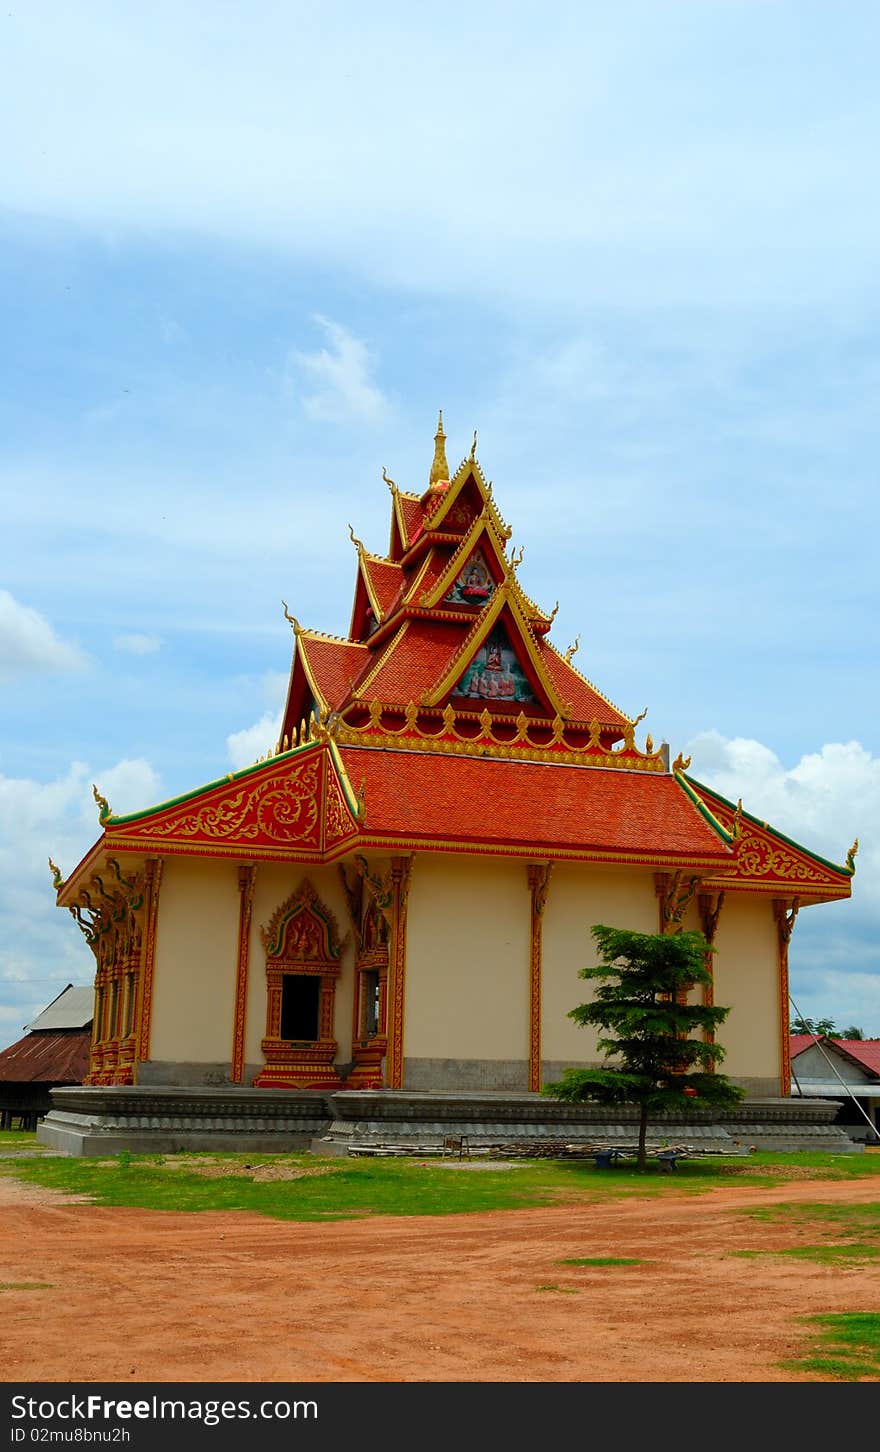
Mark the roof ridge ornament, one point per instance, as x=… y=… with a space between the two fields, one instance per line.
x=474 y=447
x=292 y=620
x=104 y=812
x=851 y=856
x=572 y=650
x=57 y=879
x=390 y=482
x=361 y=547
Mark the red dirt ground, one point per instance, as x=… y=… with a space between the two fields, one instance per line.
x=158 y=1296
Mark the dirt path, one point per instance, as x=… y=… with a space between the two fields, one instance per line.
x=156 y=1296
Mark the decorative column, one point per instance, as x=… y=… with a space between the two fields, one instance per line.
x=539 y=882
x=674 y=895
x=401 y=876
x=709 y=906
x=247 y=877
x=152 y=883
x=785 y=913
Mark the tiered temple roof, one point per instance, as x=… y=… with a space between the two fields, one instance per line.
x=448 y=721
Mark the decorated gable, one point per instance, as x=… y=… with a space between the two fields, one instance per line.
x=496 y=673
x=474 y=584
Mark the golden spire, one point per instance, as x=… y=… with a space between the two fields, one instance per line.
x=439 y=468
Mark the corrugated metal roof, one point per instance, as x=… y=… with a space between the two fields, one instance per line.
x=73 y=1008
x=47 y=1058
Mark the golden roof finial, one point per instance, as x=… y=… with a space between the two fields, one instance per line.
x=388 y=480
x=474 y=446
x=57 y=879
x=354 y=539
x=439 y=468
x=292 y=620
x=851 y=856
x=572 y=650
x=554 y=612
x=104 y=812
x=681 y=762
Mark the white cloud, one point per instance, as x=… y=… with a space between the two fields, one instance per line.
x=247 y=746
x=825 y=800
x=345 y=391
x=28 y=644
x=138 y=644
x=40 y=949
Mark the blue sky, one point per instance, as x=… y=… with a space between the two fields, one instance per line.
x=249 y=250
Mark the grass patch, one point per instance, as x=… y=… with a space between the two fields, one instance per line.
x=821 y=1254
x=847 y=1347
x=601 y=1260
x=19 y=1139
x=855 y=1218
x=25 y=1286
x=312 y=1187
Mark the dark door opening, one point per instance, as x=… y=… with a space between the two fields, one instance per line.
x=300 y=1003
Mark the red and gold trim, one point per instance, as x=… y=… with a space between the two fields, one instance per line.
x=401 y=876
x=785 y=912
x=153 y=879
x=709 y=905
x=539 y=875
x=247 y=877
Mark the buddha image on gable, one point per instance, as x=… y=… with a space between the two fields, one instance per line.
x=474 y=585
x=495 y=673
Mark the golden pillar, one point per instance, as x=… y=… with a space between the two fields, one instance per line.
x=152 y=885
x=401 y=876
x=539 y=882
x=247 y=877
x=785 y=913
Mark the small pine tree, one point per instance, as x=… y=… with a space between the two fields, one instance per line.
x=647 y=1030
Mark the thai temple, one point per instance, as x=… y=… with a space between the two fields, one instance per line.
x=399 y=895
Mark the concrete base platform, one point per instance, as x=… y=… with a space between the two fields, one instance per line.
x=164 y=1120
x=497 y=1119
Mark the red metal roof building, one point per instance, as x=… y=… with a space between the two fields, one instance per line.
x=53 y=1052
x=847 y=1070
x=400 y=892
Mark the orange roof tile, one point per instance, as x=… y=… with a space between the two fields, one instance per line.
x=587 y=703
x=413 y=660
x=386 y=579
x=413 y=517
x=585 y=810
x=334 y=664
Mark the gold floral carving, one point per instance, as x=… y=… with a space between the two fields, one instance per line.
x=282 y=809
x=759 y=858
x=338 y=822
x=301 y=941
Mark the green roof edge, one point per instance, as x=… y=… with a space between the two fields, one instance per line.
x=726 y=837
x=847 y=871
x=114 y=821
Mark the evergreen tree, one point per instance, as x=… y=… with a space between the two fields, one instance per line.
x=647 y=1031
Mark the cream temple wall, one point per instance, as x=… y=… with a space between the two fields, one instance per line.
x=193 y=971
x=578 y=897
x=467 y=964
x=746 y=968
x=467 y=970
